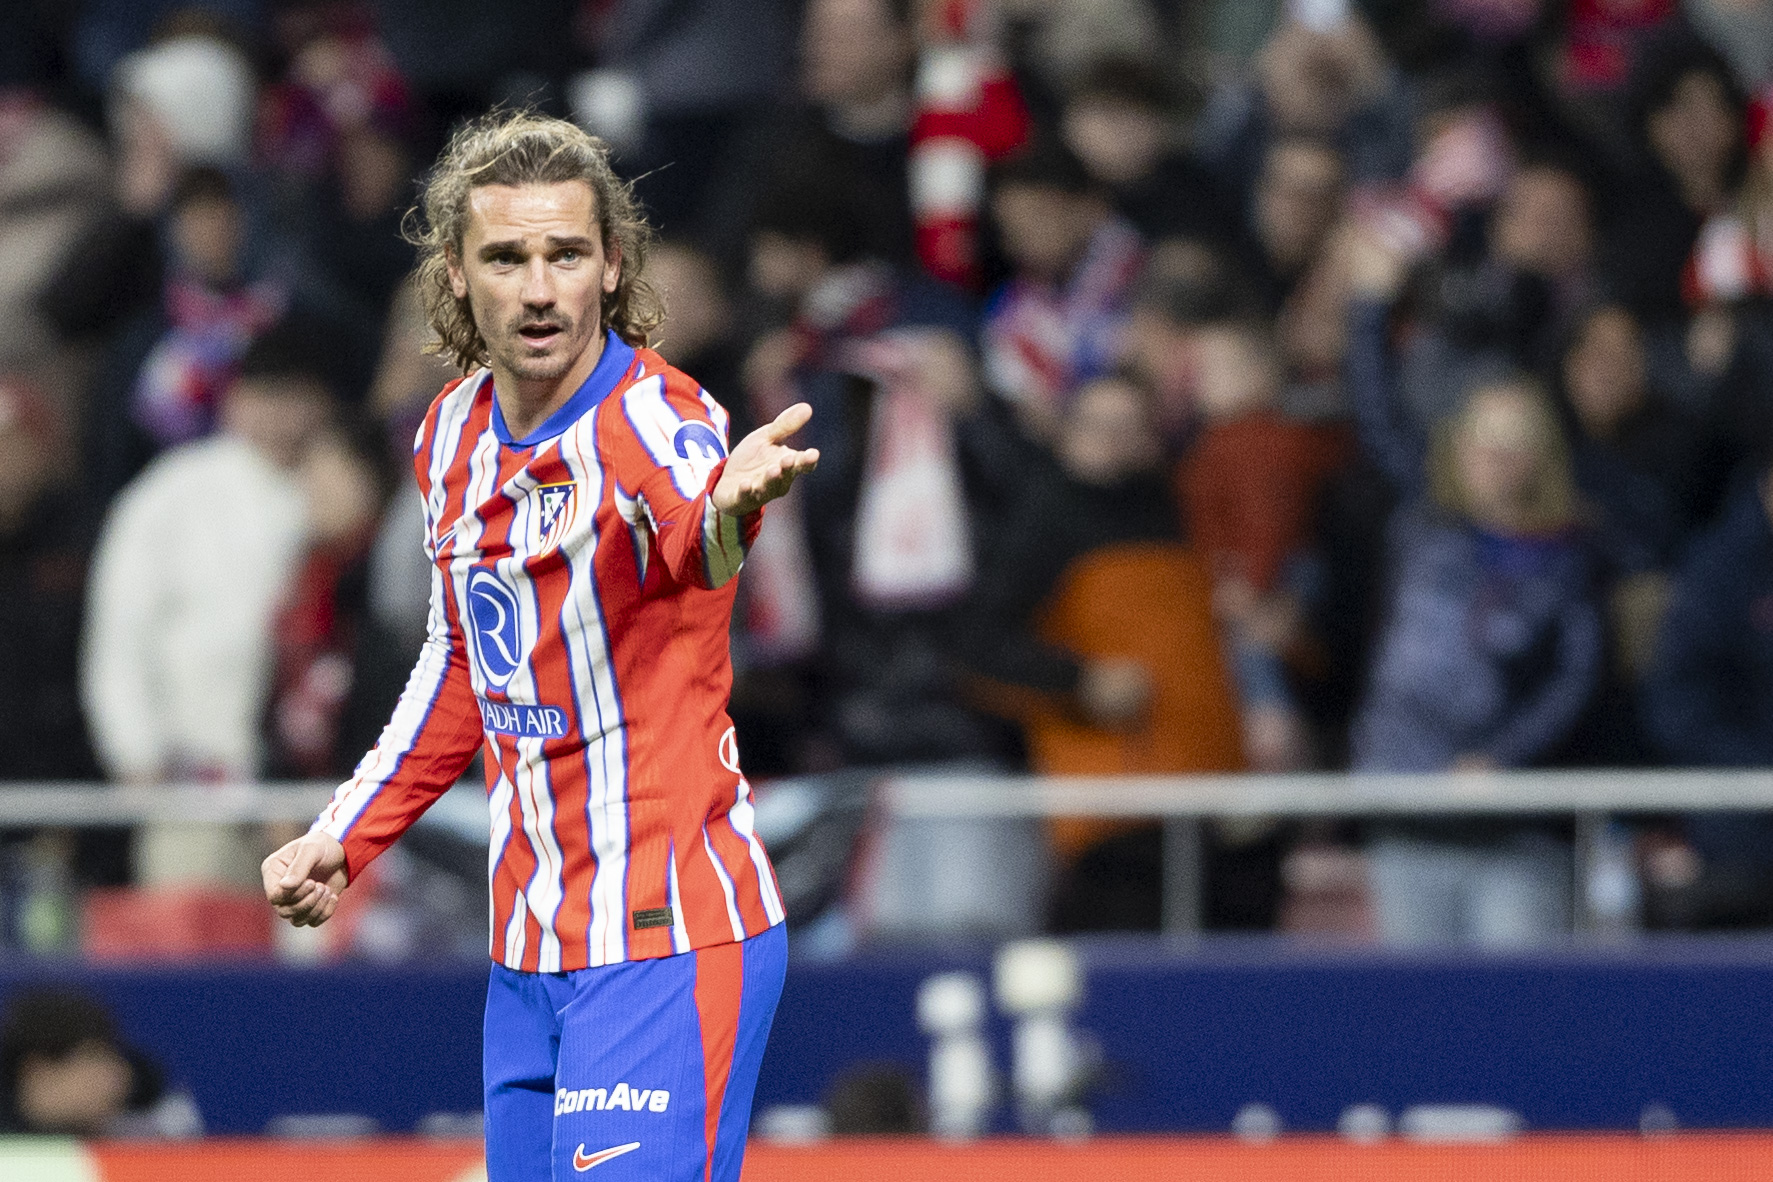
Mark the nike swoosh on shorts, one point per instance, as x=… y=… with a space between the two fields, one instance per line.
x=583 y=1161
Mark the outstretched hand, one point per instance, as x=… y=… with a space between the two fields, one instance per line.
x=304 y=878
x=762 y=468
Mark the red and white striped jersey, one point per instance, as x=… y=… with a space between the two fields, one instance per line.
x=582 y=592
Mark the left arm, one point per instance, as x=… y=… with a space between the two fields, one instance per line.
x=703 y=504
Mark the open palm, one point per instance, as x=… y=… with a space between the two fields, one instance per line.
x=762 y=467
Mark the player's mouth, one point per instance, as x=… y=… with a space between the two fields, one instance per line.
x=541 y=335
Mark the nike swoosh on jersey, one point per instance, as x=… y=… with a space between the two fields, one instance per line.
x=583 y=1161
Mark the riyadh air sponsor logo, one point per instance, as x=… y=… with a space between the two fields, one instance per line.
x=620 y=1098
x=523 y=722
x=496 y=624
x=556 y=507
x=583 y=1161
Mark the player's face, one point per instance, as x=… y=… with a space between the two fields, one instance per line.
x=534 y=271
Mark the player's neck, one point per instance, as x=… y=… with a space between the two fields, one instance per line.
x=526 y=403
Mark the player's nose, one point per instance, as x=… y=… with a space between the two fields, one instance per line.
x=538 y=285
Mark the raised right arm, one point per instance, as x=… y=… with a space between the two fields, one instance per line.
x=1385 y=432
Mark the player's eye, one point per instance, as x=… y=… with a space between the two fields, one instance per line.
x=569 y=255
x=505 y=258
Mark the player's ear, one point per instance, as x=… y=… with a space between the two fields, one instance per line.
x=458 y=282
x=612 y=267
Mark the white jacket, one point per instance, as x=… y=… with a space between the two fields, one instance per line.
x=195 y=557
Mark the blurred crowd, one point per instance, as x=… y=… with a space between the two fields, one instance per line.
x=1202 y=385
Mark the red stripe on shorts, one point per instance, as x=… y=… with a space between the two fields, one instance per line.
x=720 y=982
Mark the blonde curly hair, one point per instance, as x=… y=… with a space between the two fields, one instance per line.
x=524 y=148
x=1551 y=500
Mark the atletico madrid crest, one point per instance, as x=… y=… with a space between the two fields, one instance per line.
x=555 y=505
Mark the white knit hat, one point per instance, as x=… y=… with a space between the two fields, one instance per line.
x=201 y=91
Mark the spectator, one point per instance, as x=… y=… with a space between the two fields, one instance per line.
x=320 y=627
x=1297 y=202
x=52 y=179
x=677 y=85
x=397 y=577
x=1634 y=457
x=1688 y=119
x=1059 y=320
x=1119 y=120
x=1491 y=652
x=1733 y=258
x=194 y=559
x=777 y=628
x=188 y=99
x=1093 y=624
x=1483 y=295
x=1637 y=462
x=65 y=1071
x=1474 y=319
x=851 y=126
x=339 y=79
x=1184 y=285
x=407 y=380
x=1250 y=490
x=864 y=570
x=337 y=135
x=1330 y=83
x=353 y=233
x=1543 y=226
x=182 y=103
x=1106 y=488
x=1724 y=356
x=164 y=373
x=43 y=550
x=1708 y=702
x=1490 y=657
x=1056 y=44
x=699 y=335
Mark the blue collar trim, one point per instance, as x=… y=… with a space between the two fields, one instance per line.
x=612 y=367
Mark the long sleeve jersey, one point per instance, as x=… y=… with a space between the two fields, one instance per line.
x=582 y=589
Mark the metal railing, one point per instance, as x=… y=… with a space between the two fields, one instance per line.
x=96 y=805
x=1182 y=803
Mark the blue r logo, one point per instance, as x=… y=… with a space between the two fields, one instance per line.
x=492 y=612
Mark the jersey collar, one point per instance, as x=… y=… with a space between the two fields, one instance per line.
x=612 y=367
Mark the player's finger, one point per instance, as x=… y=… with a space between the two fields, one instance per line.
x=788 y=422
x=278 y=894
x=302 y=898
x=324 y=912
x=271 y=873
x=310 y=910
x=301 y=863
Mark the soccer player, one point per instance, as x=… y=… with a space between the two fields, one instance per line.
x=585 y=522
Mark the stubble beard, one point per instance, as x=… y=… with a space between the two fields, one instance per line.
x=511 y=353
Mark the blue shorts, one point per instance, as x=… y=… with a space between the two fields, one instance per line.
x=641 y=1070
